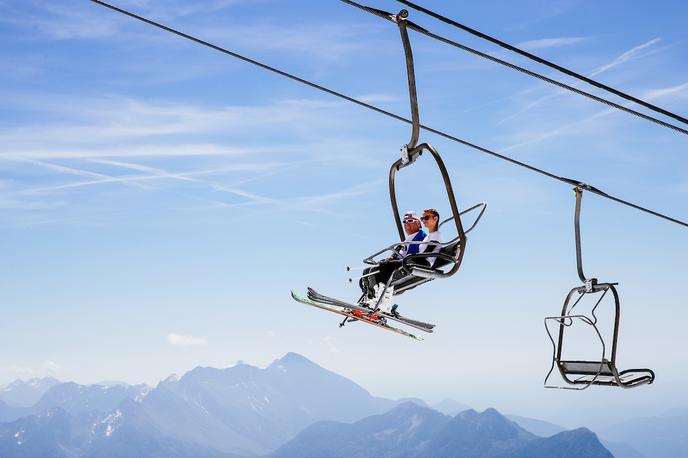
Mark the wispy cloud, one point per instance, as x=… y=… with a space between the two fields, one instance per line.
x=90 y=127
x=182 y=340
x=637 y=52
x=85 y=20
x=544 y=43
x=634 y=53
x=680 y=90
x=310 y=203
x=87 y=173
x=58 y=21
x=149 y=145
x=591 y=120
x=329 y=42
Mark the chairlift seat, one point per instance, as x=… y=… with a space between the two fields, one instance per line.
x=417 y=270
x=603 y=373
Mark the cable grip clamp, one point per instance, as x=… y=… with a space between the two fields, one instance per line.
x=590 y=285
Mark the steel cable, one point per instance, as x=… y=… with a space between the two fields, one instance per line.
x=389 y=114
x=559 y=84
x=542 y=61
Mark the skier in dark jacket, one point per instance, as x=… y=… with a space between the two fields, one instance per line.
x=372 y=284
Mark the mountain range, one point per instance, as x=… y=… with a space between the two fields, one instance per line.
x=410 y=430
x=293 y=407
x=22 y=393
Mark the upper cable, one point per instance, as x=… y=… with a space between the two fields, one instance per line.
x=543 y=61
x=482 y=149
x=525 y=71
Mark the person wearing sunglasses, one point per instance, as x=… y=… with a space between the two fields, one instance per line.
x=373 y=284
x=414 y=233
x=432 y=243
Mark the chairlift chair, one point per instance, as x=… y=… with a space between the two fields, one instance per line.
x=415 y=270
x=603 y=371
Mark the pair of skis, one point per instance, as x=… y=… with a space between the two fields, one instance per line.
x=360 y=313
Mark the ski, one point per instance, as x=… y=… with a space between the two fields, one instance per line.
x=420 y=325
x=314 y=295
x=362 y=318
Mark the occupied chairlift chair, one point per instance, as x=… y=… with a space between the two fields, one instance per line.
x=583 y=374
x=415 y=270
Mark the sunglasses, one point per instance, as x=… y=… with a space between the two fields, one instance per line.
x=409 y=221
x=425 y=218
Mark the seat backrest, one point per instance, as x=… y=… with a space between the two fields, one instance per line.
x=452 y=250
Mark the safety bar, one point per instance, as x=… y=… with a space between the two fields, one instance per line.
x=371 y=261
x=556 y=352
x=475 y=223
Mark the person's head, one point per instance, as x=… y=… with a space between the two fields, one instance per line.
x=411 y=222
x=431 y=219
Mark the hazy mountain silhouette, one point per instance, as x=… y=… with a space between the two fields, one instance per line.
x=21 y=393
x=664 y=435
x=537 y=427
x=411 y=430
x=241 y=410
x=291 y=408
x=546 y=429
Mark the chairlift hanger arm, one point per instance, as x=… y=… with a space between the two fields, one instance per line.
x=378 y=109
x=579 y=256
x=409 y=149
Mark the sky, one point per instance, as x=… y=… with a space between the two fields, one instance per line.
x=160 y=200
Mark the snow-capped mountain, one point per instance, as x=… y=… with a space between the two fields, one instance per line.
x=293 y=407
x=238 y=411
x=77 y=399
x=249 y=410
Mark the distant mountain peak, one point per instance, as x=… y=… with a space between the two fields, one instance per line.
x=171 y=379
x=491 y=412
x=294 y=358
x=292 y=361
x=25 y=393
x=32 y=383
x=410 y=407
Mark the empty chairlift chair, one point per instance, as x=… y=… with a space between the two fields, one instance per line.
x=582 y=374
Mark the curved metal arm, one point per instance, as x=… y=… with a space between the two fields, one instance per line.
x=579 y=256
x=400 y=19
x=562 y=322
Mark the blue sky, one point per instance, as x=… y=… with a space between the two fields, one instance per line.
x=160 y=200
